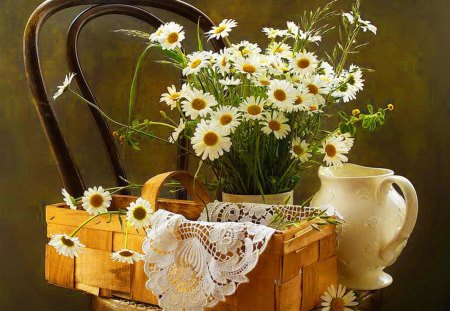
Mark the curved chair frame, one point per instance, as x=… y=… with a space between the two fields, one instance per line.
x=68 y=171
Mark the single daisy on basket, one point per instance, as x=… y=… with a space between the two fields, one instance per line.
x=222 y=30
x=68 y=199
x=126 y=256
x=171 y=36
x=337 y=299
x=96 y=200
x=226 y=118
x=272 y=33
x=304 y=63
x=66 y=83
x=196 y=61
x=176 y=133
x=209 y=141
x=335 y=149
x=139 y=213
x=66 y=245
x=276 y=124
x=253 y=108
x=282 y=94
x=300 y=149
x=172 y=97
x=197 y=103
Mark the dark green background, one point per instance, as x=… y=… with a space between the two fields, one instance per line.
x=410 y=55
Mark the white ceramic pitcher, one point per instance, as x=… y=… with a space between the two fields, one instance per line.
x=378 y=221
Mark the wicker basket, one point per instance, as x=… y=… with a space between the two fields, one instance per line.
x=296 y=267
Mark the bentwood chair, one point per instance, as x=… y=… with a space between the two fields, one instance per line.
x=68 y=170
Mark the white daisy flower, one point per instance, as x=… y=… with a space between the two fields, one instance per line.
x=276 y=65
x=354 y=78
x=139 y=213
x=303 y=63
x=171 y=36
x=68 y=199
x=348 y=140
x=249 y=66
x=154 y=37
x=66 y=245
x=171 y=98
x=337 y=299
x=293 y=29
x=309 y=36
x=280 y=49
x=303 y=100
x=96 y=200
x=276 y=124
x=300 y=149
x=272 y=33
x=66 y=83
x=282 y=94
x=209 y=141
x=126 y=256
x=229 y=81
x=245 y=49
x=197 y=61
x=316 y=86
x=335 y=149
x=326 y=69
x=226 y=118
x=222 y=62
x=345 y=92
x=197 y=103
x=176 y=133
x=222 y=30
x=365 y=25
x=253 y=108
x=262 y=80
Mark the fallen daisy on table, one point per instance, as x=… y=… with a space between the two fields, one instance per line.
x=126 y=256
x=337 y=299
x=66 y=245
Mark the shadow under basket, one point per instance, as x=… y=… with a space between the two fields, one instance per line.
x=292 y=273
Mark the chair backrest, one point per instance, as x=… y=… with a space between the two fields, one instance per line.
x=69 y=173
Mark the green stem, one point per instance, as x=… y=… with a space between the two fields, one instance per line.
x=92 y=218
x=126 y=234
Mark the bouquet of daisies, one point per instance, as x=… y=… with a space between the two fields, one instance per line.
x=255 y=116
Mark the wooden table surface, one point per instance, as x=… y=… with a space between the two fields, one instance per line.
x=369 y=301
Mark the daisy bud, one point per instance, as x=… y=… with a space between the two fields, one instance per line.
x=356 y=112
x=390 y=107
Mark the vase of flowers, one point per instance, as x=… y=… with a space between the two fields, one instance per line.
x=257 y=117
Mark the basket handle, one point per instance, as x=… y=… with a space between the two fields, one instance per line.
x=153 y=186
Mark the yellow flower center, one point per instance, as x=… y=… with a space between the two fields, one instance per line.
x=196 y=63
x=279 y=50
x=249 y=68
x=245 y=51
x=274 y=125
x=297 y=149
x=337 y=304
x=96 y=200
x=67 y=242
x=264 y=82
x=175 y=96
x=313 y=108
x=172 y=37
x=313 y=89
x=254 y=109
x=226 y=119
x=198 y=104
x=298 y=100
x=219 y=29
x=126 y=253
x=139 y=213
x=279 y=95
x=330 y=150
x=210 y=138
x=224 y=61
x=303 y=63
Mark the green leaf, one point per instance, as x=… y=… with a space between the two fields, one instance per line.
x=344 y=128
x=343 y=115
x=366 y=122
x=370 y=108
x=199 y=39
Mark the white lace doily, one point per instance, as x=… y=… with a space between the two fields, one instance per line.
x=195 y=264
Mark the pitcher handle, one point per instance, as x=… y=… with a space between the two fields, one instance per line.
x=410 y=213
